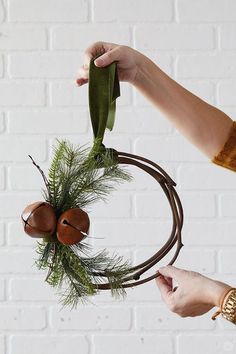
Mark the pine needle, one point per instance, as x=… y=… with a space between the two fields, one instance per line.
x=77 y=178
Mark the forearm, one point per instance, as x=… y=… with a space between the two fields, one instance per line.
x=204 y=125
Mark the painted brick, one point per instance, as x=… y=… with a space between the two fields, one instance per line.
x=119 y=206
x=2 y=123
x=215 y=344
x=65 y=94
x=15 y=234
x=22 y=318
x=18 y=148
x=199 y=204
x=43 y=65
x=12 y=205
x=174 y=37
x=200 y=177
x=203 y=11
x=17 y=180
x=154 y=317
x=22 y=93
x=142 y=343
x=142 y=181
x=2 y=178
x=31 y=289
x=2 y=344
x=227 y=205
x=2 y=293
x=92 y=318
x=207 y=264
x=208 y=66
x=152 y=205
x=21 y=262
x=227 y=261
x=50 y=122
x=142 y=120
x=133 y=11
x=132 y=233
x=56 y=344
x=155 y=205
x=48 y=11
x=209 y=233
x=2 y=11
x=227 y=36
x=22 y=38
x=78 y=37
x=167 y=148
x=1 y=66
x=227 y=92
x=2 y=234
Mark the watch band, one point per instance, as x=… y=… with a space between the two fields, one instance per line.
x=227 y=306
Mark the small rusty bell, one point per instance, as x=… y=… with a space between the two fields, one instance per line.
x=72 y=226
x=39 y=220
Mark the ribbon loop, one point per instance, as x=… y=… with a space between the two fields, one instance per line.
x=104 y=88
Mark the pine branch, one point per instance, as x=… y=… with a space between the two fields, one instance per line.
x=77 y=178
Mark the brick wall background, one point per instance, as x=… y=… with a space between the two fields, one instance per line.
x=41 y=48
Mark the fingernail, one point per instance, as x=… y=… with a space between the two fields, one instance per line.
x=99 y=62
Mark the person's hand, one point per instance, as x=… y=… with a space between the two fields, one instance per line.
x=128 y=60
x=194 y=294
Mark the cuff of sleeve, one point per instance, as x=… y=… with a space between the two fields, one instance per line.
x=227 y=156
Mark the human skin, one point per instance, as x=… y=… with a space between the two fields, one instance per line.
x=202 y=124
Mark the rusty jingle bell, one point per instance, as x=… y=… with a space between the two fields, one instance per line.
x=72 y=226
x=39 y=220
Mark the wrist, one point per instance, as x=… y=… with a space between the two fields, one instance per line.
x=145 y=72
x=217 y=291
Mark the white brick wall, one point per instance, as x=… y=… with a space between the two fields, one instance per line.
x=48 y=11
x=37 y=344
x=41 y=49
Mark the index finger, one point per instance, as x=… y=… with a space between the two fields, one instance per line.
x=165 y=287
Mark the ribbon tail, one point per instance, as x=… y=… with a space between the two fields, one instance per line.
x=111 y=116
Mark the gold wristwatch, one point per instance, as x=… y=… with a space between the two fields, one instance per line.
x=228 y=306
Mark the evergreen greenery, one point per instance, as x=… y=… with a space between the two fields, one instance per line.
x=77 y=178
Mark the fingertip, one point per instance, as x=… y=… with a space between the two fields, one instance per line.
x=81 y=82
x=161 y=270
x=160 y=279
x=99 y=62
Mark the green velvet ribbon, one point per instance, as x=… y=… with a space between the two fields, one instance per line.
x=104 y=88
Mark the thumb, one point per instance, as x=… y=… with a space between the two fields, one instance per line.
x=107 y=58
x=172 y=272
x=103 y=60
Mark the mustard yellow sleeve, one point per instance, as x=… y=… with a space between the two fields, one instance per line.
x=227 y=156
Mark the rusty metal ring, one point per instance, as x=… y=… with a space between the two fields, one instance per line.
x=168 y=186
